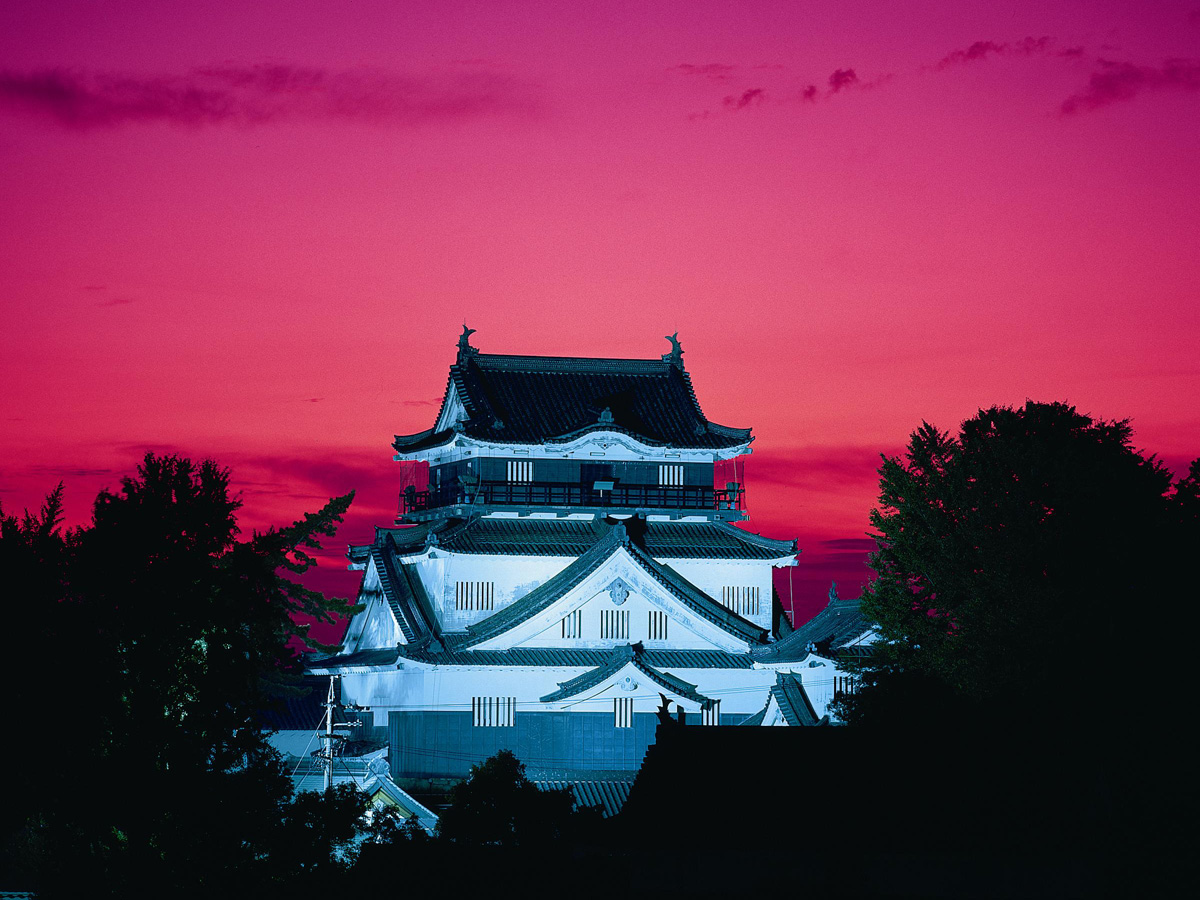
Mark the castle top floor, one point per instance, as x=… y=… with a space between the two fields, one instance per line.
x=563 y=433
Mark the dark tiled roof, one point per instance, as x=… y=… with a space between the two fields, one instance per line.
x=574 y=537
x=404 y=592
x=535 y=399
x=756 y=719
x=618 y=658
x=567 y=657
x=793 y=702
x=608 y=790
x=385 y=657
x=839 y=623
x=554 y=588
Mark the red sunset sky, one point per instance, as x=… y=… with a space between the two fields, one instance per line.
x=252 y=231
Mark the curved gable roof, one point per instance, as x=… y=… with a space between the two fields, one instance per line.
x=617 y=660
x=556 y=587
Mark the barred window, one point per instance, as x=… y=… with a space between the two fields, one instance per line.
x=710 y=713
x=670 y=475
x=572 y=624
x=614 y=624
x=475 y=595
x=493 y=712
x=623 y=712
x=656 y=627
x=843 y=684
x=520 y=470
x=742 y=600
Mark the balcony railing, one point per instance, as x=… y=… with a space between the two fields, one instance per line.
x=559 y=494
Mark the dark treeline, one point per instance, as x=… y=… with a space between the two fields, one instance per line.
x=1020 y=729
x=142 y=649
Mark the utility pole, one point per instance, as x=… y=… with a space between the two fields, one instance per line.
x=328 y=736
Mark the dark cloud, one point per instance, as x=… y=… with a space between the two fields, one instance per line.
x=842 y=79
x=751 y=97
x=434 y=402
x=712 y=71
x=257 y=95
x=1118 y=82
x=313 y=399
x=983 y=49
x=62 y=473
x=809 y=94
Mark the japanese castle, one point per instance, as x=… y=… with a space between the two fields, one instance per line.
x=570 y=575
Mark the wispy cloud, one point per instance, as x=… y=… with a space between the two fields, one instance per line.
x=750 y=97
x=711 y=71
x=1119 y=82
x=253 y=95
x=116 y=301
x=981 y=50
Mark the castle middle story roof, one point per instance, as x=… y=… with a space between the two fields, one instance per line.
x=573 y=537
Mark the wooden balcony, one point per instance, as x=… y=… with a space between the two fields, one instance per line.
x=559 y=495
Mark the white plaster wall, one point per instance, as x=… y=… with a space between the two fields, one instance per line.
x=638 y=606
x=513 y=576
x=712 y=575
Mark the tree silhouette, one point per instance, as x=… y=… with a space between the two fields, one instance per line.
x=1012 y=555
x=152 y=639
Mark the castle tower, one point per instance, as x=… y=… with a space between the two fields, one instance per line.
x=568 y=565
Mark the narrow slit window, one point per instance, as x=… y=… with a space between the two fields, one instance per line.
x=614 y=624
x=670 y=475
x=520 y=471
x=493 y=712
x=623 y=712
x=656 y=627
x=572 y=624
x=475 y=595
x=743 y=600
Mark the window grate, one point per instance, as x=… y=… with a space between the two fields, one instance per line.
x=656 y=627
x=520 y=471
x=474 y=595
x=623 y=712
x=743 y=600
x=614 y=624
x=670 y=475
x=493 y=712
x=572 y=624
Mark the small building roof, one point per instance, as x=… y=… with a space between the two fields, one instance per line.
x=839 y=624
x=541 y=399
x=606 y=789
x=619 y=658
x=793 y=701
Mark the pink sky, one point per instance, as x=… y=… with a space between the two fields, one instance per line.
x=252 y=231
